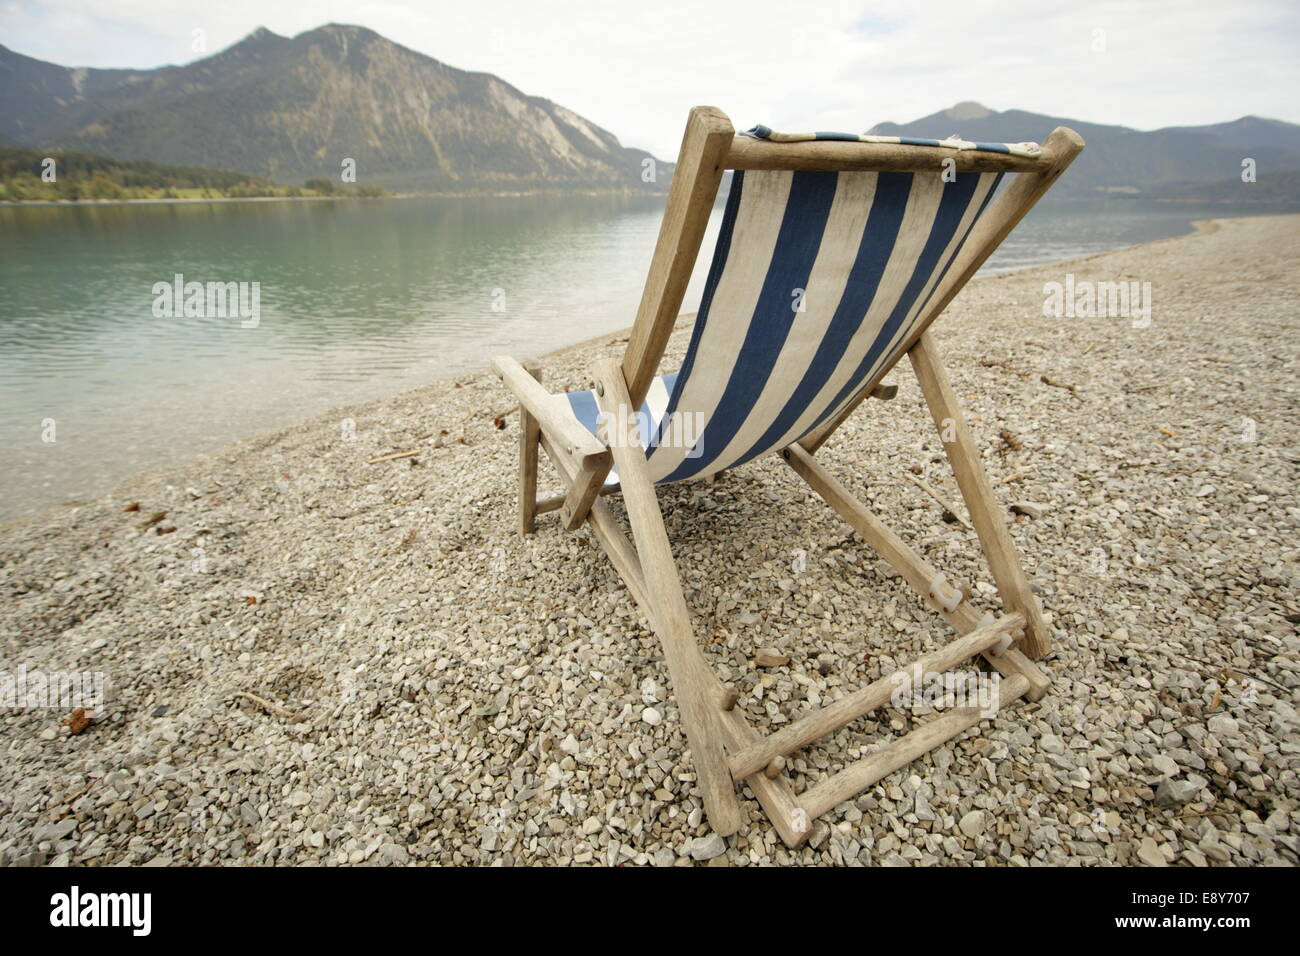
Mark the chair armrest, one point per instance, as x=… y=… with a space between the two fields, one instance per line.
x=576 y=441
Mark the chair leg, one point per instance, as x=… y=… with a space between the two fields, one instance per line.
x=691 y=678
x=529 y=437
x=995 y=539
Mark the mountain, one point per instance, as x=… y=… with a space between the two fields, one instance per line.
x=31 y=91
x=1169 y=161
x=294 y=108
x=1274 y=189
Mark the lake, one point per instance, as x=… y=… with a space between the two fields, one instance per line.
x=358 y=299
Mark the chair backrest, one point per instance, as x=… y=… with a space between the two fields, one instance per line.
x=827 y=267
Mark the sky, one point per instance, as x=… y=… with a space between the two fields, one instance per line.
x=636 y=68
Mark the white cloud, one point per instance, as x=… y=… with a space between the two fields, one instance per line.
x=636 y=68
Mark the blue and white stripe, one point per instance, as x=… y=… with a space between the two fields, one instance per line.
x=868 y=249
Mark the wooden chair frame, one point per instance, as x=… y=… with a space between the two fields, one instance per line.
x=725 y=749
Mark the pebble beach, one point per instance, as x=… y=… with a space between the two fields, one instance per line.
x=320 y=650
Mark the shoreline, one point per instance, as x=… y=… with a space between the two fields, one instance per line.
x=684 y=323
x=443 y=691
x=497 y=194
x=687 y=319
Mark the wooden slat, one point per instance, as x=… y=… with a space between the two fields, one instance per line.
x=554 y=501
x=696 y=177
x=582 y=493
x=964 y=456
x=529 y=432
x=748 y=152
x=832 y=717
x=574 y=440
x=686 y=665
x=856 y=777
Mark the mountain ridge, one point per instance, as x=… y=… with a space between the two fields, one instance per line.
x=1123 y=159
x=292 y=108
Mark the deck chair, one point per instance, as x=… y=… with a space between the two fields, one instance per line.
x=834 y=255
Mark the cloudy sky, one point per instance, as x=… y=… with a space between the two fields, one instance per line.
x=636 y=67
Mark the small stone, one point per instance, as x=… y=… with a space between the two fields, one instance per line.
x=649 y=692
x=55 y=831
x=924 y=812
x=299 y=798
x=973 y=823
x=1051 y=744
x=1165 y=764
x=1028 y=509
x=394 y=854
x=820 y=834
x=707 y=847
x=1215 y=850
x=1150 y=854
x=1172 y=792
x=770 y=657
x=570 y=745
x=1222 y=725
x=652 y=716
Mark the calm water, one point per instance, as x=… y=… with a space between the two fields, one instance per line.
x=358 y=300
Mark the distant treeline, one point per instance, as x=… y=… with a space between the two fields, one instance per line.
x=27 y=174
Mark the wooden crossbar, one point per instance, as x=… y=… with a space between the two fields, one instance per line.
x=554 y=501
x=540 y=404
x=871 y=769
x=583 y=491
x=812 y=727
x=749 y=152
x=916 y=571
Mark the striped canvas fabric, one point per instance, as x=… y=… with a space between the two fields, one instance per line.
x=816 y=281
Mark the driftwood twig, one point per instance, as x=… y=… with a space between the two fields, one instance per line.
x=947 y=506
x=396 y=454
x=267 y=706
x=1072 y=389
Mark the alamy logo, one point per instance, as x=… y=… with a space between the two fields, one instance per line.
x=678 y=430
x=919 y=689
x=1088 y=300
x=75 y=908
x=213 y=300
x=64 y=689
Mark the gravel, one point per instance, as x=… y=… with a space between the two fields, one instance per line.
x=333 y=662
